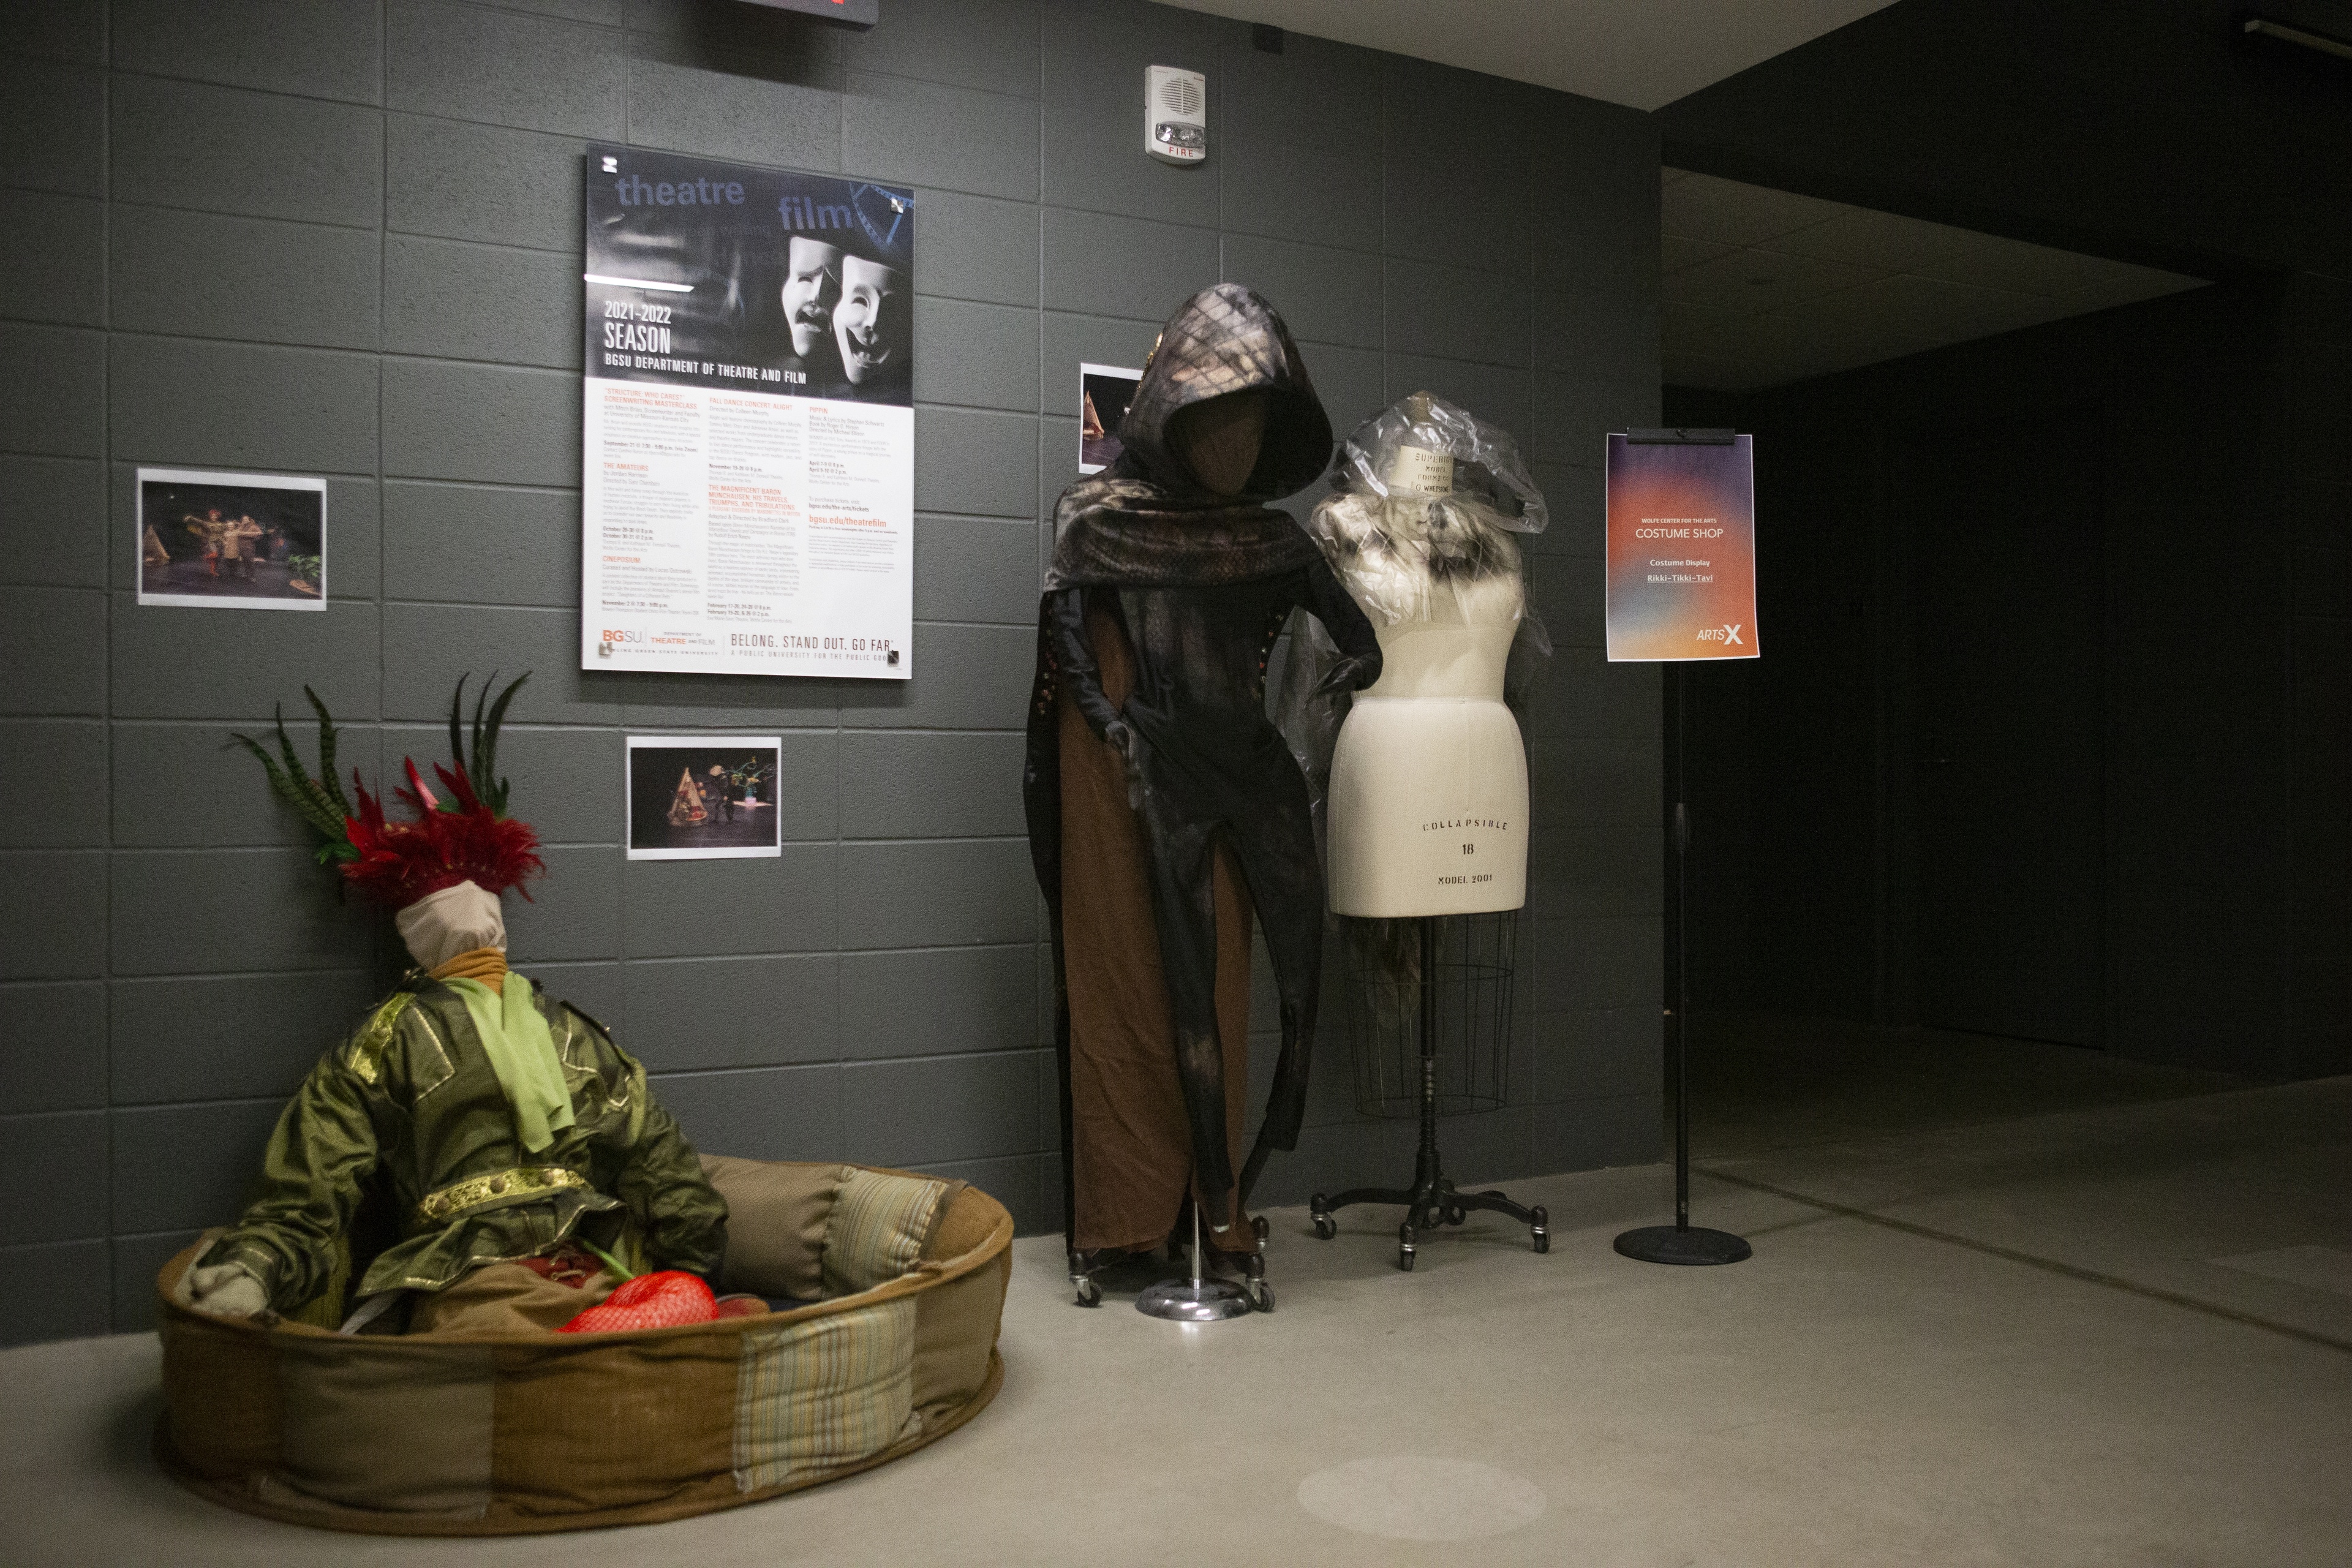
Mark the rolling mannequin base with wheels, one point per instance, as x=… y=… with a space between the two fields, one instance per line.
x=1433 y=1201
x=1202 y=1298
x=1205 y=1299
x=1695 y=1245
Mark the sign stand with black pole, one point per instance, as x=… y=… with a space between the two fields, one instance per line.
x=1670 y=614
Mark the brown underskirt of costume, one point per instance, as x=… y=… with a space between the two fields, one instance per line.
x=1131 y=1144
x=505 y=1299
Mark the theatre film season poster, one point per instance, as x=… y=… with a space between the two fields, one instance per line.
x=748 y=457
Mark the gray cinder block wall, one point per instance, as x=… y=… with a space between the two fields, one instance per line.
x=341 y=236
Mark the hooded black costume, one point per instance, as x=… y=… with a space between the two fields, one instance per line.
x=1194 y=583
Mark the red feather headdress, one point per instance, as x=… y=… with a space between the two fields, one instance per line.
x=468 y=838
x=401 y=862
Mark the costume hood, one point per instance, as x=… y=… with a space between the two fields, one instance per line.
x=1227 y=340
x=1146 y=521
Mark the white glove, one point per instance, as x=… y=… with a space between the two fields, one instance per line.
x=226 y=1290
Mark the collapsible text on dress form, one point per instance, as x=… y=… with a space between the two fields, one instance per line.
x=1428 y=806
x=454 y=1434
x=1428 y=786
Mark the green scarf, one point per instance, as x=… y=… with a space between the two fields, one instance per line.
x=522 y=1053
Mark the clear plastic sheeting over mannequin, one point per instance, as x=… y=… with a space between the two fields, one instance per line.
x=1425 y=498
x=1420 y=529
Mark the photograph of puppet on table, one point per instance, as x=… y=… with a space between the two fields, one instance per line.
x=709 y=797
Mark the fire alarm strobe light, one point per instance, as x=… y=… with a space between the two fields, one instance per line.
x=1175 y=114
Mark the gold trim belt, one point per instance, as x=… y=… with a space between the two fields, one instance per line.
x=441 y=1207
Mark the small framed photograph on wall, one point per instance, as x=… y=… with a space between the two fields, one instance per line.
x=232 y=541
x=704 y=798
x=1103 y=393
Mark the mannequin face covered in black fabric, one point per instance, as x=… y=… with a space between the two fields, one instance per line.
x=1173 y=541
x=1220 y=440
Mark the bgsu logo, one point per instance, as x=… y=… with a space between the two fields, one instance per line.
x=614 y=635
x=1728 y=636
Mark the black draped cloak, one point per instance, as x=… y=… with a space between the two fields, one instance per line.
x=1145 y=522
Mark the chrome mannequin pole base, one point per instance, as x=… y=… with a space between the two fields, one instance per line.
x=1194 y=1300
x=1197 y=1299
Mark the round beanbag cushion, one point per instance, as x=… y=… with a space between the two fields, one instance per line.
x=455 y=1433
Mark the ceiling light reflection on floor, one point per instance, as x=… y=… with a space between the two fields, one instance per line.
x=1410 y=1497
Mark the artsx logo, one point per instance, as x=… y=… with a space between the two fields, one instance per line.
x=1728 y=636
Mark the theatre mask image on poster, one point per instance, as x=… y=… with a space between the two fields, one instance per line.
x=747 y=454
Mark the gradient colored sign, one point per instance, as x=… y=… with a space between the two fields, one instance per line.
x=1681 y=575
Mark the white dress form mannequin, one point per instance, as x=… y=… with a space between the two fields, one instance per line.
x=1428 y=804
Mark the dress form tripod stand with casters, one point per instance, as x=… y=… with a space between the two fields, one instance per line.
x=1433 y=1200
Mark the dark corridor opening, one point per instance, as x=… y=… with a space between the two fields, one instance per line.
x=2015 y=783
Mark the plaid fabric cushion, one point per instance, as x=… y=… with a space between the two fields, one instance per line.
x=823 y=1392
x=877 y=1229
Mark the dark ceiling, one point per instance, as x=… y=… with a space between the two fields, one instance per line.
x=2143 y=130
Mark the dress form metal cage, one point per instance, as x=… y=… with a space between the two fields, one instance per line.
x=1469 y=1029
x=1429 y=1009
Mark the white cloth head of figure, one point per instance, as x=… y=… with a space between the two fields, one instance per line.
x=439 y=926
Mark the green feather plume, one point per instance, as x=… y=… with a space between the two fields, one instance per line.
x=320 y=806
x=479 y=762
x=332 y=784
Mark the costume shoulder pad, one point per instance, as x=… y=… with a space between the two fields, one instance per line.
x=589 y=1045
x=588 y=1018
x=364 y=1053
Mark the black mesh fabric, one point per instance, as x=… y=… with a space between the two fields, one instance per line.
x=1145 y=521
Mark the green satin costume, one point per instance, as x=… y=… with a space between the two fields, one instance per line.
x=412 y=1102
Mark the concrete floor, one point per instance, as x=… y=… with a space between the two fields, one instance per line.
x=1976 y=1330
x=1761 y=1083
